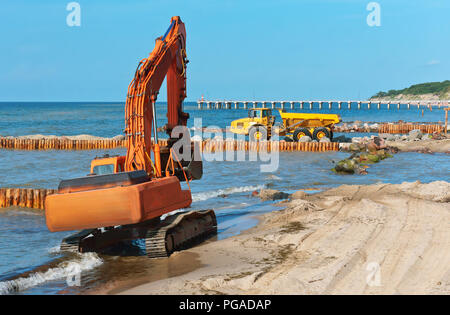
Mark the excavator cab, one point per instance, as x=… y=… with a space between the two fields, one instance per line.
x=107 y=165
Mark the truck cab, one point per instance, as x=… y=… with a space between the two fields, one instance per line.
x=259 y=119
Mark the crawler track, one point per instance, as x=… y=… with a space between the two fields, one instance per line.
x=179 y=231
x=176 y=232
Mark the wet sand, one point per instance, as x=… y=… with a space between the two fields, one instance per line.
x=366 y=239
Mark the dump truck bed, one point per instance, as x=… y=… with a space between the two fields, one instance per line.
x=328 y=118
x=292 y=121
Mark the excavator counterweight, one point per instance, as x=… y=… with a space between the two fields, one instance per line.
x=124 y=197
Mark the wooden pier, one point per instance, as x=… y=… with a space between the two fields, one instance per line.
x=319 y=105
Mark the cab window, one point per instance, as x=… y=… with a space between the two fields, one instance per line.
x=253 y=114
x=266 y=113
x=104 y=169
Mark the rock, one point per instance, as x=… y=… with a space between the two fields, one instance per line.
x=346 y=166
x=300 y=194
x=392 y=138
x=354 y=147
x=305 y=139
x=356 y=140
x=415 y=134
x=325 y=139
x=271 y=194
x=314 y=141
x=342 y=139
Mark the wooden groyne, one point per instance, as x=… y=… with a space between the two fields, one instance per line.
x=281 y=146
x=59 y=144
x=24 y=197
x=406 y=128
x=206 y=145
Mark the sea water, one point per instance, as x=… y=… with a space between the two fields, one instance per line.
x=30 y=259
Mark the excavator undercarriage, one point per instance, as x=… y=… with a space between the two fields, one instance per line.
x=161 y=237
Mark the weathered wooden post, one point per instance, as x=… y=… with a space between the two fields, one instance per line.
x=311 y=105
x=339 y=105
x=330 y=104
x=369 y=105
x=349 y=104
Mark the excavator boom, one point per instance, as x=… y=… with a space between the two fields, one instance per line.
x=168 y=58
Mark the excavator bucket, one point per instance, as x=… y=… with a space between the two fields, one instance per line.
x=112 y=200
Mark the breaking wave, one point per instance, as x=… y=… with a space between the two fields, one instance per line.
x=205 y=195
x=63 y=270
x=202 y=196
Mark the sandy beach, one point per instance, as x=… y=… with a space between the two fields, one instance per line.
x=366 y=239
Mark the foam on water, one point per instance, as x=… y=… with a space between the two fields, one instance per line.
x=69 y=268
x=202 y=196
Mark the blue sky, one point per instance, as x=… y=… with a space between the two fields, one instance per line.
x=303 y=49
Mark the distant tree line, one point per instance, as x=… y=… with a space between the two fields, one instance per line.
x=435 y=88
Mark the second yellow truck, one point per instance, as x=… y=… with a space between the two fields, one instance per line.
x=260 y=125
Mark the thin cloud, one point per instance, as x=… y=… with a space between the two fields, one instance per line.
x=433 y=62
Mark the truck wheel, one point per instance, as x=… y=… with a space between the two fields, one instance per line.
x=321 y=132
x=258 y=133
x=301 y=132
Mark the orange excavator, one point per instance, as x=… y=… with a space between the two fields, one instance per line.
x=124 y=197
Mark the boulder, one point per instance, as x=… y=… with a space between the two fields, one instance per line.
x=415 y=134
x=325 y=139
x=271 y=194
x=300 y=194
x=392 y=137
x=305 y=139
x=342 y=139
x=346 y=166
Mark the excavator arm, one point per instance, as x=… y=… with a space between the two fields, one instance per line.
x=168 y=59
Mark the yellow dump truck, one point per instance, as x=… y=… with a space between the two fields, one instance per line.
x=260 y=125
